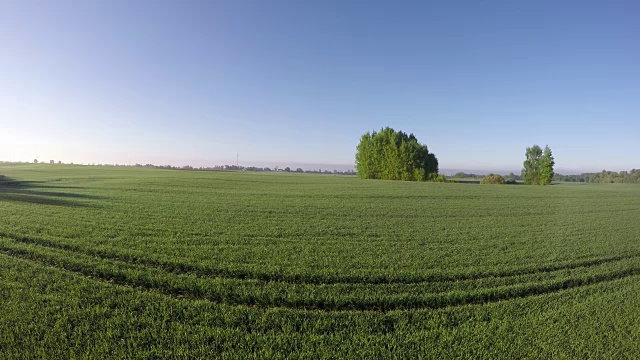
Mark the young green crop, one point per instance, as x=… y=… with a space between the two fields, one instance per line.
x=125 y=262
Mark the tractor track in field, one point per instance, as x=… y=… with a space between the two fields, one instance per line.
x=180 y=268
x=434 y=302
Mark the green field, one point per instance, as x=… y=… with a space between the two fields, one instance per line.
x=105 y=262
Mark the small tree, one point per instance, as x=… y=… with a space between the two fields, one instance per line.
x=538 y=166
x=546 y=166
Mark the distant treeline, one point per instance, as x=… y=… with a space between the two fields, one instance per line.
x=463 y=175
x=209 y=168
x=246 y=168
x=622 y=177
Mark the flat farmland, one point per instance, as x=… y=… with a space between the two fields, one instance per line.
x=114 y=262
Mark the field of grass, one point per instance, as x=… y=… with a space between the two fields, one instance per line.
x=142 y=263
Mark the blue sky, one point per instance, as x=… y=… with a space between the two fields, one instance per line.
x=298 y=82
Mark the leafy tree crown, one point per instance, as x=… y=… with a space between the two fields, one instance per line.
x=394 y=155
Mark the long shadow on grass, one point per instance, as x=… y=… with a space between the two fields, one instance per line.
x=31 y=184
x=31 y=192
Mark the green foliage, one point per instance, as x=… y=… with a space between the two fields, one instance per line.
x=538 y=166
x=622 y=177
x=462 y=175
x=148 y=263
x=392 y=155
x=546 y=166
x=492 y=179
x=438 y=178
x=531 y=170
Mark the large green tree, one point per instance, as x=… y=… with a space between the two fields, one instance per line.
x=394 y=155
x=538 y=166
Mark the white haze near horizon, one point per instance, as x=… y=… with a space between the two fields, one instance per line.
x=95 y=158
x=26 y=150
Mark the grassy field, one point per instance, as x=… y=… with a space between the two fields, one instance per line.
x=142 y=263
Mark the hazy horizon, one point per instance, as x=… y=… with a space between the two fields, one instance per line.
x=285 y=82
x=324 y=166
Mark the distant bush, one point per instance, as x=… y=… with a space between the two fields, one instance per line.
x=462 y=175
x=438 y=178
x=511 y=181
x=492 y=179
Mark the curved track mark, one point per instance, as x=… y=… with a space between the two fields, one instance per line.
x=410 y=303
x=181 y=268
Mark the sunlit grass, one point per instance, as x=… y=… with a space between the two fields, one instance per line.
x=153 y=262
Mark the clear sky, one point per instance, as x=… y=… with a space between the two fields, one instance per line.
x=280 y=82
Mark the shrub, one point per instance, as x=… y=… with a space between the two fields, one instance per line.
x=492 y=179
x=438 y=178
